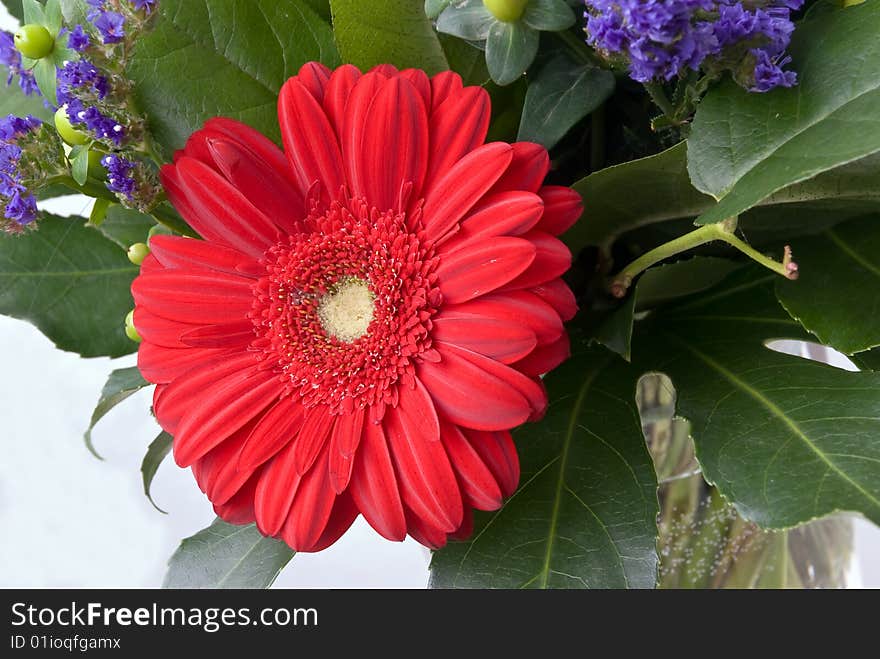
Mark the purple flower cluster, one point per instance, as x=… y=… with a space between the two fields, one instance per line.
x=20 y=205
x=11 y=59
x=120 y=177
x=78 y=39
x=110 y=24
x=662 y=39
x=80 y=87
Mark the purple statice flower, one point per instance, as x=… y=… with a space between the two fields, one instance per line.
x=110 y=24
x=19 y=205
x=81 y=87
x=11 y=59
x=662 y=39
x=145 y=5
x=120 y=177
x=78 y=39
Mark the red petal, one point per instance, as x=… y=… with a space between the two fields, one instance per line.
x=562 y=208
x=275 y=492
x=373 y=485
x=194 y=296
x=558 y=295
x=427 y=483
x=480 y=268
x=221 y=213
x=240 y=508
x=545 y=358
x=309 y=141
x=527 y=169
x=343 y=516
x=506 y=213
x=419 y=80
x=552 y=260
x=253 y=140
x=313 y=437
x=443 y=85
x=457 y=127
x=163 y=365
x=450 y=198
x=477 y=482
x=498 y=453
x=387 y=70
x=311 y=508
x=354 y=126
x=268 y=190
x=464 y=531
x=314 y=76
x=469 y=395
x=503 y=340
x=177 y=252
x=229 y=335
x=159 y=331
x=342 y=81
x=343 y=444
x=217 y=472
x=393 y=150
x=278 y=426
x=517 y=306
x=424 y=532
x=220 y=410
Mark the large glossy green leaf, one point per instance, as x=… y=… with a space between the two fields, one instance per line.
x=206 y=59
x=72 y=283
x=785 y=439
x=121 y=384
x=657 y=189
x=584 y=514
x=745 y=146
x=560 y=95
x=227 y=556
x=371 y=32
x=837 y=296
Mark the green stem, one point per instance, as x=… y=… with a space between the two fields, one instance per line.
x=661 y=100
x=722 y=231
x=91 y=188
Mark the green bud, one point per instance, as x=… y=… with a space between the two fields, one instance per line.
x=506 y=11
x=68 y=133
x=34 y=41
x=138 y=252
x=130 y=330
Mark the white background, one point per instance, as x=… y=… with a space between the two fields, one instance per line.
x=70 y=520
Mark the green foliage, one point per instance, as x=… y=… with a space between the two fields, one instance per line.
x=71 y=282
x=121 y=384
x=157 y=451
x=227 y=556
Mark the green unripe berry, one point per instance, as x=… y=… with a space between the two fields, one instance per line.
x=68 y=133
x=130 y=330
x=34 y=41
x=506 y=11
x=138 y=252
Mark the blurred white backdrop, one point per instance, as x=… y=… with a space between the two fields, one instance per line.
x=70 y=520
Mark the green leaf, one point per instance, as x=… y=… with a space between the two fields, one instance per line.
x=371 y=32
x=14 y=101
x=227 y=556
x=433 y=8
x=585 y=512
x=510 y=50
x=126 y=227
x=837 y=296
x=52 y=12
x=121 y=384
x=44 y=75
x=15 y=8
x=80 y=166
x=745 y=146
x=71 y=282
x=785 y=439
x=548 y=15
x=560 y=95
x=99 y=213
x=236 y=56
x=657 y=189
x=157 y=451
x=656 y=286
x=466 y=60
x=33 y=12
x=469 y=20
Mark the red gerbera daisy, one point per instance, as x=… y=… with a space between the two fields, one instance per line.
x=368 y=314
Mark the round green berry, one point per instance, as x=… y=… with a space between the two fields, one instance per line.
x=506 y=11
x=138 y=252
x=68 y=133
x=130 y=330
x=34 y=41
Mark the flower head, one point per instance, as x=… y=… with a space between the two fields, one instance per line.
x=19 y=205
x=368 y=314
x=11 y=59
